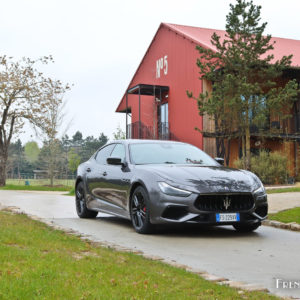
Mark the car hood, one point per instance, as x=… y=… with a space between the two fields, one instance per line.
x=206 y=179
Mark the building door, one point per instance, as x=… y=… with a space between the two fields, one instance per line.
x=163 y=121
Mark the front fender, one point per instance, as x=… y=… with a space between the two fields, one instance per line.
x=147 y=180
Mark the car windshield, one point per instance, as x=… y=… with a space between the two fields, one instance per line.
x=169 y=153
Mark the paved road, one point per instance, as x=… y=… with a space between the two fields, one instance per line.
x=256 y=258
x=281 y=201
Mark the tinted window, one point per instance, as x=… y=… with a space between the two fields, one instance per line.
x=104 y=153
x=119 y=151
x=169 y=153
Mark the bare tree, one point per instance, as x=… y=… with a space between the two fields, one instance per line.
x=48 y=132
x=25 y=93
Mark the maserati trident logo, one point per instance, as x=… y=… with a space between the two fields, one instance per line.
x=226 y=202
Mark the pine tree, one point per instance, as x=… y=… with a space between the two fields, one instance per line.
x=244 y=73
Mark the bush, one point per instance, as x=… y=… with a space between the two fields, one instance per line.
x=271 y=167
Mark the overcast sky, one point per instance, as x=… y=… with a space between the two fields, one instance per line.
x=97 y=44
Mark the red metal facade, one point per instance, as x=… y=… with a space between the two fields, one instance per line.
x=181 y=75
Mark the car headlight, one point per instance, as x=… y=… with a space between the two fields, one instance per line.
x=173 y=191
x=260 y=190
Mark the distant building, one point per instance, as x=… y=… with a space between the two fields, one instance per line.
x=157 y=104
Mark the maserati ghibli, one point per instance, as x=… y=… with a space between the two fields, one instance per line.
x=157 y=182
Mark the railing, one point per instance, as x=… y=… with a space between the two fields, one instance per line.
x=286 y=126
x=138 y=130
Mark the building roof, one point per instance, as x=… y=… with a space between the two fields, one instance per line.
x=202 y=37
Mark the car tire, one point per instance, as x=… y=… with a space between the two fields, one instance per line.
x=140 y=211
x=246 y=227
x=82 y=210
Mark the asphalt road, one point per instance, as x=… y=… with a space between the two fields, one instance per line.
x=257 y=258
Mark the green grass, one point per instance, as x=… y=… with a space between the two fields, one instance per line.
x=60 y=185
x=284 y=190
x=35 y=188
x=39 y=262
x=71 y=193
x=41 y=182
x=287 y=216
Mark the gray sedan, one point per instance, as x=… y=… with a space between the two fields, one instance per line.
x=157 y=182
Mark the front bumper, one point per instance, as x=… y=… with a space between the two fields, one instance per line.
x=170 y=209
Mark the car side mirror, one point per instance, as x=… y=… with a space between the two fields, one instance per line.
x=114 y=161
x=220 y=160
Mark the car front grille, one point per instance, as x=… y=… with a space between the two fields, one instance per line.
x=224 y=202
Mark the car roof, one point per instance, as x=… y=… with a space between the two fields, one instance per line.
x=138 y=141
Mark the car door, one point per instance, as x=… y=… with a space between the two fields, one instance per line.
x=95 y=174
x=117 y=179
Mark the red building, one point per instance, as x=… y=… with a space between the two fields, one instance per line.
x=156 y=99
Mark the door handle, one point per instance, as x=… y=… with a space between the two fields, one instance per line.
x=104 y=173
x=88 y=169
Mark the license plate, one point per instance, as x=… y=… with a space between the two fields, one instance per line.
x=228 y=217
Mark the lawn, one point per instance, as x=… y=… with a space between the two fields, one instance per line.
x=36 y=188
x=39 y=185
x=41 y=182
x=283 y=190
x=38 y=262
x=287 y=216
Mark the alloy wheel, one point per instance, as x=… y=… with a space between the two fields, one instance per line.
x=138 y=210
x=80 y=198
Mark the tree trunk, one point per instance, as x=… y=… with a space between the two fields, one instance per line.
x=51 y=179
x=248 y=152
x=51 y=172
x=228 y=151
x=243 y=152
x=3 y=160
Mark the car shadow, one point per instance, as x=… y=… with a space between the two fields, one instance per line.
x=202 y=231
x=184 y=230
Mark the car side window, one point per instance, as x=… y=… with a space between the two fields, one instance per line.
x=119 y=151
x=104 y=153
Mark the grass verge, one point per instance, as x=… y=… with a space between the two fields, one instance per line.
x=71 y=193
x=287 y=216
x=284 y=190
x=44 y=182
x=41 y=262
x=36 y=188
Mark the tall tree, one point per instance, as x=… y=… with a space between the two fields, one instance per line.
x=77 y=138
x=244 y=76
x=48 y=131
x=51 y=158
x=24 y=94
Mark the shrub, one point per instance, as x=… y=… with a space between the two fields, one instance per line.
x=270 y=167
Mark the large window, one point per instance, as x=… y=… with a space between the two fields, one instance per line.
x=257 y=107
x=163 y=125
x=164 y=113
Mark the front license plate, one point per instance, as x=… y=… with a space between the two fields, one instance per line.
x=228 y=217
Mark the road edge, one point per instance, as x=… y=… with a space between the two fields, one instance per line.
x=293 y=226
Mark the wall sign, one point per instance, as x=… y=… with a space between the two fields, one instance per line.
x=162 y=66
